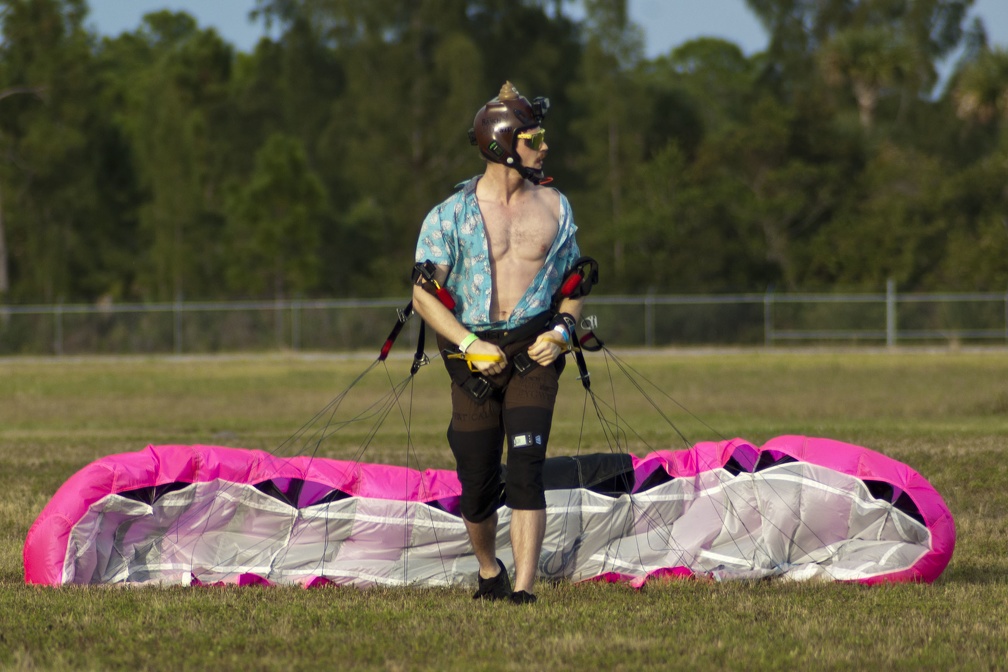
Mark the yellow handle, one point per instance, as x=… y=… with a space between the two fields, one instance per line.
x=471 y=357
x=564 y=345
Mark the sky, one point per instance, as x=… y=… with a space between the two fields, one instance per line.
x=666 y=23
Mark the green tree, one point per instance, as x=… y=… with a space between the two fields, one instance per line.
x=274 y=224
x=50 y=175
x=973 y=206
x=888 y=228
x=609 y=133
x=4 y=260
x=287 y=85
x=412 y=75
x=781 y=186
x=713 y=78
x=685 y=232
x=685 y=224
x=173 y=83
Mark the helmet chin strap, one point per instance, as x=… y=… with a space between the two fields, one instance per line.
x=533 y=175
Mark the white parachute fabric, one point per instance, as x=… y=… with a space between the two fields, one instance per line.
x=222 y=532
x=795 y=520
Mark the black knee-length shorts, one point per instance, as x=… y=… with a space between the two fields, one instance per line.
x=518 y=411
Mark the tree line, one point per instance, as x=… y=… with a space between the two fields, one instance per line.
x=164 y=164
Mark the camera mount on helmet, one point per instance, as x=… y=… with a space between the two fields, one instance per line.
x=540 y=106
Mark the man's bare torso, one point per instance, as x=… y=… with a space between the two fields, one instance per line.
x=519 y=236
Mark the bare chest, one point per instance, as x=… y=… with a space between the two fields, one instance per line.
x=525 y=232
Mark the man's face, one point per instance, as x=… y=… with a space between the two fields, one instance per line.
x=532 y=147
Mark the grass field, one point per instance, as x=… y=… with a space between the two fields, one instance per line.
x=943 y=413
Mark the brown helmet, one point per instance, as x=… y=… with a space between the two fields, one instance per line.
x=497 y=125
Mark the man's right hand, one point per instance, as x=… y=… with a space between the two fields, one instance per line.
x=492 y=359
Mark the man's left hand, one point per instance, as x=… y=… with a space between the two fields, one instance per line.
x=547 y=348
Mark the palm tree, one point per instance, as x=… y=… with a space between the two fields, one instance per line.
x=980 y=90
x=869 y=61
x=868 y=45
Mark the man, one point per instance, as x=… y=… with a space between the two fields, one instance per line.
x=501 y=246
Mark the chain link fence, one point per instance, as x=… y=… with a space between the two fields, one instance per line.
x=766 y=319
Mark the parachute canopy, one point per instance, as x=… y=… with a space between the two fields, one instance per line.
x=796 y=507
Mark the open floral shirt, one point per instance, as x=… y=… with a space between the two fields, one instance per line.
x=452 y=235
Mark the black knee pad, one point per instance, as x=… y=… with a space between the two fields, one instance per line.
x=528 y=433
x=478 y=465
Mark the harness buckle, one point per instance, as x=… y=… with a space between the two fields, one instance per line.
x=478 y=387
x=522 y=363
x=421 y=359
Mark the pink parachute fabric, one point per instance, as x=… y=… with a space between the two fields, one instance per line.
x=797 y=507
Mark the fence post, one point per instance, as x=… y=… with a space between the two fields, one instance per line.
x=890 y=312
x=649 y=325
x=177 y=322
x=58 y=336
x=768 y=335
x=278 y=337
x=296 y=325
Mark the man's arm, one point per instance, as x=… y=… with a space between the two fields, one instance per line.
x=546 y=349
x=443 y=321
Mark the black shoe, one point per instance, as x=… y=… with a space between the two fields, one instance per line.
x=523 y=597
x=496 y=588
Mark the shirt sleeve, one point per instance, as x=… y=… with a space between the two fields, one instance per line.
x=438 y=241
x=569 y=251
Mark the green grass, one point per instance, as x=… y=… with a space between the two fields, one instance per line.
x=945 y=414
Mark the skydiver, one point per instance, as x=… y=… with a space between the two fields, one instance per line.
x=501 y=246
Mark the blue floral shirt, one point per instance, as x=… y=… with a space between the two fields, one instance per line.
x=453 y=235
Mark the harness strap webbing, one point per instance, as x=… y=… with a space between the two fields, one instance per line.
x=404 y=314
x=423 y=275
